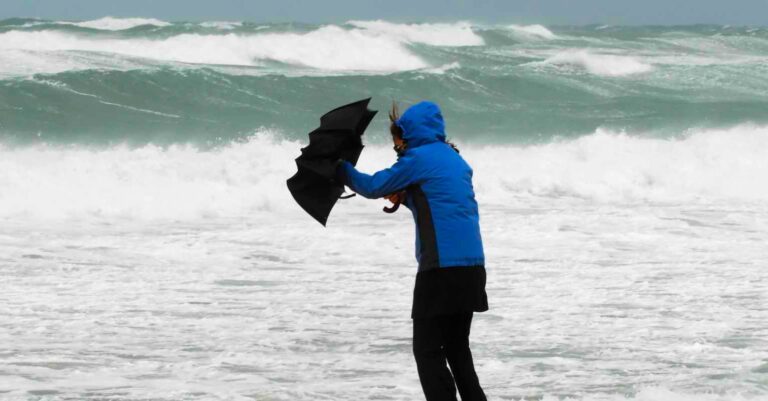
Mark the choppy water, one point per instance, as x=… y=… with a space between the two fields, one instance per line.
x=211 y=82
x=150 y=250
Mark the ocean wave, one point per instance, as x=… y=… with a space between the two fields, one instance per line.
x=224 y=25
x=361 y=46
x=453 y=34
x=443 y=68
x=116 y=24
x=600 y=64
x=183 y=182
x=532 y=31
x=327 y=48
x=176 y=183
x=609 y=166
x=21 y=63
x=371 y=46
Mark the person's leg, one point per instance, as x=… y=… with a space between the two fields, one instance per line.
x=436 y=379
x=456 y=340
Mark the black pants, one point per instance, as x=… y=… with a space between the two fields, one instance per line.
x=440 y=338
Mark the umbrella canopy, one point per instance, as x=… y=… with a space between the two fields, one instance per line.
x=339 y=137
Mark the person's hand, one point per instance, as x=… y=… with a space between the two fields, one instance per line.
x=396 y=198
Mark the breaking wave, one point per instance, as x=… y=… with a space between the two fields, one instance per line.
x=182 y=182
x=454 y=34
x=614 y=166
x=532 y=31
x=327 y=48
x=196 y=81
x=365 y=46
x=117 y=24
x=225 y=25
x=600 y=64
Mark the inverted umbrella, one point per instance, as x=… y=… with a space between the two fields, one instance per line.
x=314 y=186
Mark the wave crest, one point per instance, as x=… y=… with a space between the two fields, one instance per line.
x=224 y=25
x=117 y=24
x=454 y=34
x=616 y=167
x=328 y=48
x=600 y=64
x=182 y=182
x=532 y=31
x=364 y=46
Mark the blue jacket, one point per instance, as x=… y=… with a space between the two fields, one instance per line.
x=439 y=191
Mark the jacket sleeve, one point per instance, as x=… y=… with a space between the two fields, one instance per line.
x=384 y=182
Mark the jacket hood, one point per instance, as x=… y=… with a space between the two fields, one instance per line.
x=422 y=123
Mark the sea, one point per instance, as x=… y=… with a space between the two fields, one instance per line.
x=150 y=250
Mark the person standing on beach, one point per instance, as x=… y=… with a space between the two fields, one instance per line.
x=435 y=183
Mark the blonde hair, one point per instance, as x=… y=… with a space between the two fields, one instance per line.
x=394 y=115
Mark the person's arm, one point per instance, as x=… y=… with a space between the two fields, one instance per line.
x=384 y=182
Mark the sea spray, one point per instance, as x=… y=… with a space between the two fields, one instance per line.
x=182 y=182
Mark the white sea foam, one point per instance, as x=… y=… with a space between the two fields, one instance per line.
x=241 y=295
x=532 y=31
x=15 y=63
x=117 y=24
x=182 y=182
x=369 y=46
x=328 y=48
x=444 y=68
x=454 y=34
x=224 y=25
x=608 y=167
x=600 y=64
x=659 y=394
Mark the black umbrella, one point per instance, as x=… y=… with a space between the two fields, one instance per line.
x=339 y=137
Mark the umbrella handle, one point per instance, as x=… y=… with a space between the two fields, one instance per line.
x=347 y=196
x=391 y=209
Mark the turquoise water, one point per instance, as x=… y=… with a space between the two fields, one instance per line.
x=149 y=248
x=210 y=83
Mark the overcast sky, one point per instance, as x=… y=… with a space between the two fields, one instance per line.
x=734 y=12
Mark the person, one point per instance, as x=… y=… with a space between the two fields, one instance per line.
x=435 y=183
